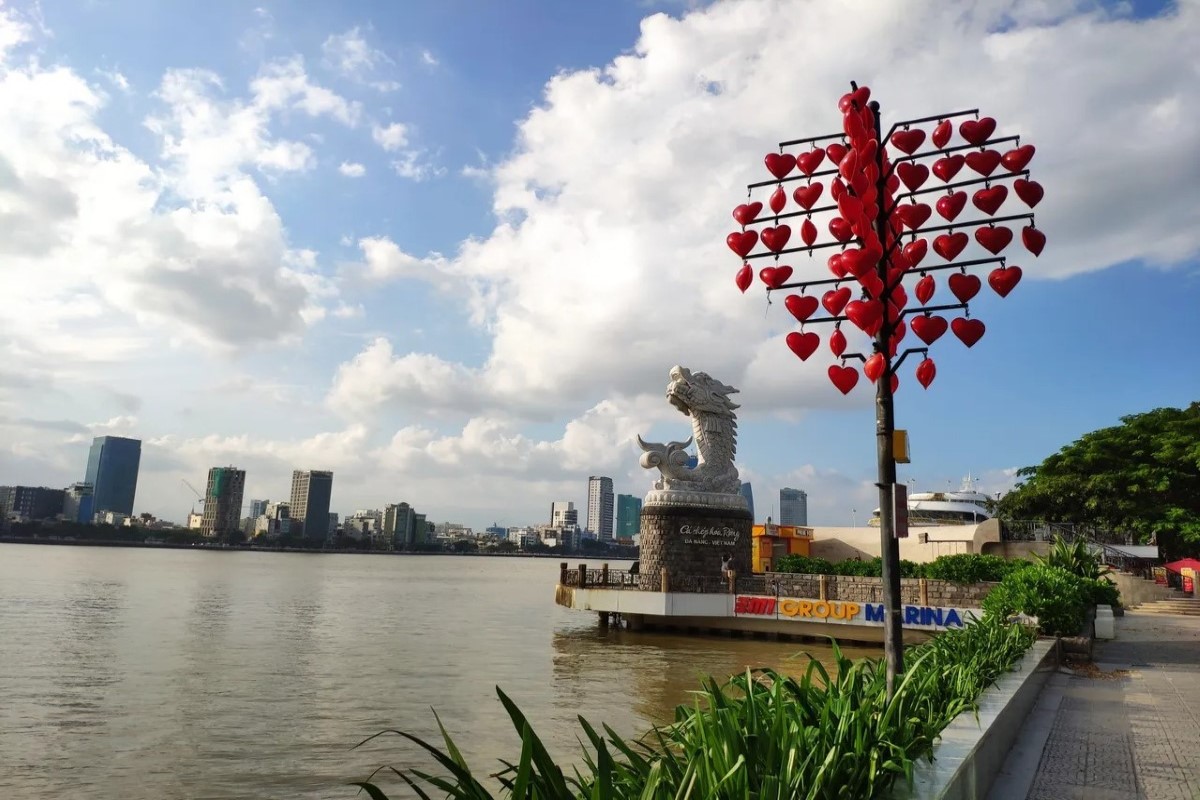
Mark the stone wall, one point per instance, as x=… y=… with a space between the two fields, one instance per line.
x=913 y=591
x=691 y=543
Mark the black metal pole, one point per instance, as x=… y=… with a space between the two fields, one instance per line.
x=885 y=427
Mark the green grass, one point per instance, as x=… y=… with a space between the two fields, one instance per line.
x=762 y=735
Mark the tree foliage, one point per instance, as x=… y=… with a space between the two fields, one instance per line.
x=1141 y=477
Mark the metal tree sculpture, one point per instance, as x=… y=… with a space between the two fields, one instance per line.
x=868 y=226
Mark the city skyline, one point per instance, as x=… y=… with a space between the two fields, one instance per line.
x=339 y=236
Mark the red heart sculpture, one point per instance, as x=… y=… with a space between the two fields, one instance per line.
x=984 y=161
x=915 y=251
x=964 y=287
x=892 y=183
x=942 y=133
x=895 y=381
x=844 y=378
x=776 y=239
x=924 y=289
x=928 y=329
x=836 y=299
x=855 y=262
x=1004 y=279
x=808 y=162
x=747 y=213
x=841 y=229
x=837 y=188
x=994 y=239
x=1016 y=159
x=949 y=245
x=778 y=199
x=866 y=314
x=806 y=196
x=908 y=141
x=951 y=205
x=874 y=367
x=989 y=200
x=913 y=175
x=780 y=164
x=802 y=306
x=848 y=166
x=803 y=344
x=948 y=166
x=913 y=215
x=926 y=372
x=835 y=265
x=745 y=277
x=872 y=283
x=742 y=242
x=969 y=331
x=850 y=207
x=837 y=342
x=774 y=277
x=836 y=152
x=808 y=231
x=1030 y=192
x=1033 y=239
x=867 y=152
x=977 y=131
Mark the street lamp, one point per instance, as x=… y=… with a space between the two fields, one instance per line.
x=868 y=224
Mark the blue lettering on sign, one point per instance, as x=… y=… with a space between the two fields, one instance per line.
x=874 y=612
x=952 y=619
x=931 y=616
x=912 y=615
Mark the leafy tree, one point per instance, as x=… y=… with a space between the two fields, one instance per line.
x=1140 y=477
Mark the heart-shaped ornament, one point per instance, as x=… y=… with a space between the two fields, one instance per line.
x=841 y=229
x=744 y=277
x=780 y=164
x=774 y=277
x=850 y=207
x=844 y=378
x=989 y=200
x=895 y=381
x=837 y=188
x=983 y=161
x=803 y=344
x=747 y=213
x=926 y=372
x=808 y=162
x=964 y=287
x=1016 y=159
x=1030 y=192
x=835 y=265
x=837 y=342
x=947 y=167
x=949 y=245
x=836 y=299
x=969 y=331
x=866 y=314
x=808 y=232
x=977 y=131
x=806 y=196
x=994 y=239
x=855 y=262
x=802 y=306
x=836 y=152
x=913 y=215
x=912 y=175
x=776 y=238
x=951 y=205
x=871 y=283
x=742 y=242
x=908 y=141
x=928 y=328
x=778 y=199
x=942 y=133
x=1033 y=239
x=925 y=289
x=915 y=251
x=1004 y=279
x=874 y=367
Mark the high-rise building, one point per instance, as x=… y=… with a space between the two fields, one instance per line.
x=31 y=502
x=629 y=516
x=747 y=492
x=223 y=501
x=793 y=507
x=399 y=525
x=258 y=508
x=77 y=502
x=112 y=470
x=309 y=507
x=600 y=507
x=563 y=514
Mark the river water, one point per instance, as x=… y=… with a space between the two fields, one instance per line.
x=136 y=674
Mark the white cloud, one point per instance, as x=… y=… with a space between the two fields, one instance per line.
x=117 y=79
x=350 y=54
x=285 y=84
x=352 y=169
x=414 y=165
x=392 y=137
x=13 y=31
x=428 y=58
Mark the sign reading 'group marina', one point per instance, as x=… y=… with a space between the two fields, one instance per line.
x=846 y=612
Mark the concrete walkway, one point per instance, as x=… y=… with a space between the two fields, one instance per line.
x=1128 y=730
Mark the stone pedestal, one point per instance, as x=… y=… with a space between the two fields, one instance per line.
x=690 y=534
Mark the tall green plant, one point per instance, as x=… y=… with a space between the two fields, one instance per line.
x=1076 y=557
x=1055 y=596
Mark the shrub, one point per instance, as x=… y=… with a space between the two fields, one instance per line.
x=1076 y=557
x=1056 y=597
x=1101 y=592
x=804 y=565
x=969 y=568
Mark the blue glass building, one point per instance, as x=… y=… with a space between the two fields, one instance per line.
x=112 y=470
x=748 y=493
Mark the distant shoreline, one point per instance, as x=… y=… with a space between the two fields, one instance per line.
x=250 y=549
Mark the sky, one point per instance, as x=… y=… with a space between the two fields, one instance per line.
x=451 y=251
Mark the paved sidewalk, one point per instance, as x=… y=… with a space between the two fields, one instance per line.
x=1129 y=731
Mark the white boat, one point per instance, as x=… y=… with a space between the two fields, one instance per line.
x=967 y=506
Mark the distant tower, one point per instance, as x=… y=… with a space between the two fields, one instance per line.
x=748 y=493
x=600 y=507
x=629 y=516
x=112 y=470
x=563 y=514
x=223 y=501
x=793 y=507
x=310 y=502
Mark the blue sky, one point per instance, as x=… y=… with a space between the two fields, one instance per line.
x=451 y=250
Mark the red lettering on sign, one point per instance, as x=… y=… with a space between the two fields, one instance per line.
x=764 y=606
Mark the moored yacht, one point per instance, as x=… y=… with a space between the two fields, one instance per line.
x=967 y=506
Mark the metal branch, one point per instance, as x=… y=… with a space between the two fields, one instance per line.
x=924 y=309
x=938 y=118
x=923 y=350
x=967 y=224
x=959 y=184
x=859 y=356
x=777 y=217
x=807 y=249
x=810 y=139
x=801 y=177
x=806 y=284
x=956 y=148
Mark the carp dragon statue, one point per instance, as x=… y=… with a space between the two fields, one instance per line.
x=714 y=429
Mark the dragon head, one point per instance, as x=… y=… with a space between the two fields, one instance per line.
x=694 y=393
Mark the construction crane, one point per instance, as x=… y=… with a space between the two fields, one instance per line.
x=199 y=496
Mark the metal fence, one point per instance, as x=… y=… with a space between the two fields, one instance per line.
x=1042 y=531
